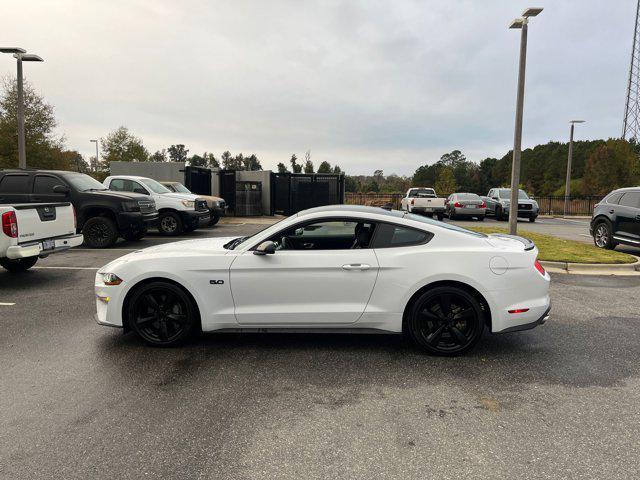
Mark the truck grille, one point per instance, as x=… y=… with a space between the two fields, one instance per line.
x=147 y=206
x=524 y=206
x=201 y=205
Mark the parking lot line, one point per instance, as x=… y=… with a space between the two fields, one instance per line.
x=6 y=304
x=65 y=268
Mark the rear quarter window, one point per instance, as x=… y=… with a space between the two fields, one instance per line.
x=14 y=184
x=614 y=198
x=389 y=235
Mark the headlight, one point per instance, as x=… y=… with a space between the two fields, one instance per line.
x=220 y=203
x=505 y=202
x=111 y=279
x=130 y=206
x=535 y=204
x=189 y=203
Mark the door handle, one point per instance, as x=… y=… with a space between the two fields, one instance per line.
x=307 y=245
x=356 y=266
x=611 y=211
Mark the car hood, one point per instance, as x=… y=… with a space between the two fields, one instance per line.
x=119 y=195
x=181 y=196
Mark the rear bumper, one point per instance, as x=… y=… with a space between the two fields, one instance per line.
x=415 y=209
x=473 y=212
x=528 y=326
x=36 y=249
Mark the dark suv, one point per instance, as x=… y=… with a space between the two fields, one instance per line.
x=102 y=215
x=616 y=219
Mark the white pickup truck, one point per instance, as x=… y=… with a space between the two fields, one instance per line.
x=423 y=200
x=35 y=230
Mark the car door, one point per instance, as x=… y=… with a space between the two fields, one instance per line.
x=314 y=279
x=627 y=223
x=491 y=202
x=43 y=185
x=15 y=188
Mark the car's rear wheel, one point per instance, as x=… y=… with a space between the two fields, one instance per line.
x=446 y=321
x=481 y=218
x=532 y=219
x=99 y=232
x=499 y=214
x=162 y=314
x=213 y=220
x=18 y=265
x=170 y=224
x=602 y=236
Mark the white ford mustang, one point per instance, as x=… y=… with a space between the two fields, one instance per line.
x=333 y=268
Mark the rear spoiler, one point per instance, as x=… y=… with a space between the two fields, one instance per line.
x=528 y=244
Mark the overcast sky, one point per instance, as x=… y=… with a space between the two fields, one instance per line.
x=365 y=84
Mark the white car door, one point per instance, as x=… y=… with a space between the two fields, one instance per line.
x=319 y=275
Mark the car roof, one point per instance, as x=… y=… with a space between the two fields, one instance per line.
x=625 y=189
x=128 y=177
x=36 y=170
x=352 y=208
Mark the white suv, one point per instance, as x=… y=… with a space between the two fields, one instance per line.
x=178 y=212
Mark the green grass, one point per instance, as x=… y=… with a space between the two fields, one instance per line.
x=557 y=249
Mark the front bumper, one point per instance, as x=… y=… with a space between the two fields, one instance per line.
x=136 y=221
x=36 y=249
x=194 y=218
x=217 y=211
x=533 y=213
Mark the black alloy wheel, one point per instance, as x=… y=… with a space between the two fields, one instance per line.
x=170 y=224
x=100 y=232
x=446 y=321
x=162 y=314
x=18 y=265
x=602 y=235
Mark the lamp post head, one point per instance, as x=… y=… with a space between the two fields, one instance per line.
x=28 y=57
x=93 y=140
x=13 y=50
x=532 y=12
x=518 y=23
x=573 y=122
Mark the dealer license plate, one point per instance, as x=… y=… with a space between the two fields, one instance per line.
x=48 y=244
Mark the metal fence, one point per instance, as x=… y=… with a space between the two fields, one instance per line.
x=548 y=205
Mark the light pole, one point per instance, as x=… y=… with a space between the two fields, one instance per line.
x=521 y=23
x=95 y=167
x=21 y=55
x=567 y=188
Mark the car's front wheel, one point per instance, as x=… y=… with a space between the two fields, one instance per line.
x=18 y=265
x=445 y=321
x=499 y=214
x=602 y=236
x=170 y=224
x=162 y=313
x=213 y=220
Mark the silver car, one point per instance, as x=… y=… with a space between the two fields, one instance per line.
x=460 y=205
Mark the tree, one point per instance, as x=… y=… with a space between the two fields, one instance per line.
x=282 y=168
x=610 y=166
x=178 y=153
x=350 y=184
x=372 y=186
x=120 y=145
x=159 y=156
x=227 y=160
x=43 y=148
x=295 y=167
x=210 y=160
x=308 y=166
x=446 y=182
x=337 y=169
x=324 y=167
x=251 y=162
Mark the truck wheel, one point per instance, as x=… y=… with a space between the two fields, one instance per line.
x=532 y=219
x=169 y=224
x=134 y=236
x=19 y=264
x=499 y=214
x=440 y=216
x=213 y=221
x=99 y=232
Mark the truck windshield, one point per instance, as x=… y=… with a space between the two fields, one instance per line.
x=181 y=188
x=155 y=187
x=506 y=193
x=83 y=182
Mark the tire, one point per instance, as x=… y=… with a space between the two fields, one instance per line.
x=440 y=216
x=452 y=216
x=100 y=232
x=602 y=236
x=213 y=220
x=445 y=321
x=134 y=236
x=170 y=224
x=532 y=219
x=162 y=314
x=19 y=264
x=499 y=214
x=481 y=218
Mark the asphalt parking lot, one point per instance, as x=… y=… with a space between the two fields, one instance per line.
x=82 y=401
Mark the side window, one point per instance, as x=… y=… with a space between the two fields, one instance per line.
x=388 y=236
x=412 y=192
x=490 y=194
x=117 y=184
x=630 y=199
x=14 y=184
x=614 y=199
x=44 y=184
x=137 y=188
x=326 y=235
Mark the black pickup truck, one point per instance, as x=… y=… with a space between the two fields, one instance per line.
x=102 y=215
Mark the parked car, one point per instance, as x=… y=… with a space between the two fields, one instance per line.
x=498 y=204
x=178 y=212
x=338 y=267
x=423 y=200
x=35 y=230
x=459 y=205
x=103 y=216
x=217 y=205
x=616 y=219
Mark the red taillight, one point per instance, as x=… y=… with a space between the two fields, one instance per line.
x=483 y=205
x=413 y=201
x=10 y=224
x=539 y=267
x=519 y=310
x=457 y=205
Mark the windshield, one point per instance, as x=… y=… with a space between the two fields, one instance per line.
x=155 y=186
x=180 y=188
x=241 y=240
x=448 y=226
x=83 y=182
x=506 y=193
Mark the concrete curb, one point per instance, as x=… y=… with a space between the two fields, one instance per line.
x=593 y=268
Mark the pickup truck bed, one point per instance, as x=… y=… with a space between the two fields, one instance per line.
x=35 y=230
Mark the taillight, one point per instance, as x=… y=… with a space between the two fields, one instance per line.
x=413 y=201
x=10 y=224
x=483 y=205
x=75 y=220
x=539 y=267
x=457 y=205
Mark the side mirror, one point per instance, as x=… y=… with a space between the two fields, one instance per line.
x=265 y=248
x=61 y=189
x=495 y=198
